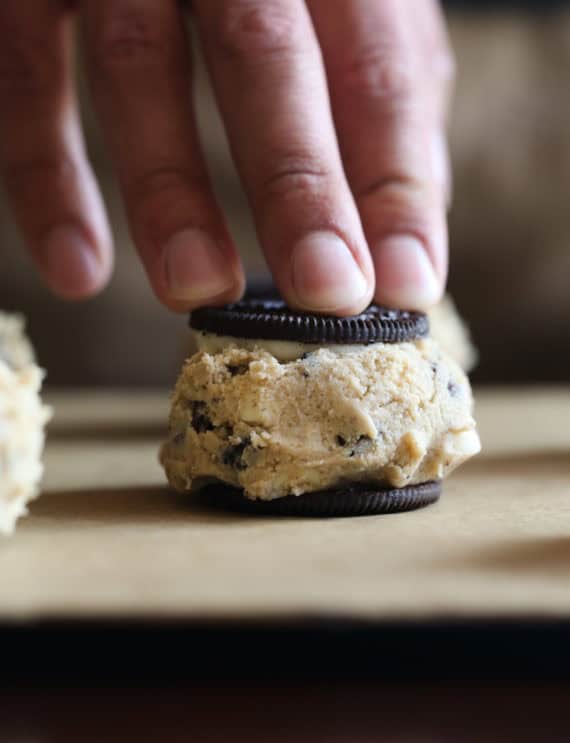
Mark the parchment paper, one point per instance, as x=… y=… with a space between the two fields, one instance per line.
x=107 y=539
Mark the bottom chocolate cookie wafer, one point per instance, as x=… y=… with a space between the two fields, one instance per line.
x=355 y=500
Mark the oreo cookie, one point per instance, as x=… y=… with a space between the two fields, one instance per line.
x=269 y=318
x=354 y=500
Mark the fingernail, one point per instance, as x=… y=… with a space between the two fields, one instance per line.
x=325 y=274
x=69 y=262
x=405 y=277
x=195 y=267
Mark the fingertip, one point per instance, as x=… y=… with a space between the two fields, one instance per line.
x=181 y=307
x=405 y=276
x=197 y=270
x=326 y=277
x=72 y=265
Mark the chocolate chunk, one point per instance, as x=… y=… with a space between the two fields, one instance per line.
x=232 y=456
x=201 y=422
x=237 y=369
x=358 y=445
x=361 y=446
x=353 y=500
x=225 y=430
x=271 y=319
x=453 y=388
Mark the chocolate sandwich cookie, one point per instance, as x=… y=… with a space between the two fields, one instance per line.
x=270 y=319
x=354 y=500
x=265 y=316
x=279 y=401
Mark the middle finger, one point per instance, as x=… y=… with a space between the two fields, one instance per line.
x=268 y=75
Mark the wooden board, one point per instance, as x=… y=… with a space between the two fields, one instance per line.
x=107 y=539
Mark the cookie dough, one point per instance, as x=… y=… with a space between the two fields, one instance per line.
x=22 y=421
x=15 y=349
x=278 y=420
x=449 y=330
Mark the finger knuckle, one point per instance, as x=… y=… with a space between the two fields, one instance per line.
x=379 y=72
x=297 y=176
x=131 y=39
x=160 y=182
x=399 y=202
x=253 y=30
x=163 y=196
x=396 y=186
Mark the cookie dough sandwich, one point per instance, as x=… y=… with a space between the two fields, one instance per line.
x=22 y=421
x=297 y=413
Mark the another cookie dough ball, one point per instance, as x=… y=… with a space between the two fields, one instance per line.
x=449 y=330
x=15 y=348
x=22 y=421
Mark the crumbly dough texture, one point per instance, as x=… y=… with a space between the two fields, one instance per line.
x=22 y=421
x=384 y=414
x=15 y=349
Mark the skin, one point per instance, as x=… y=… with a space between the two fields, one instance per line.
x=335 y=111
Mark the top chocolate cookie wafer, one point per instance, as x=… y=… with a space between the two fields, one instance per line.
x=271 y=319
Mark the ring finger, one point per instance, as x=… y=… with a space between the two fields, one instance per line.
x=383 y=90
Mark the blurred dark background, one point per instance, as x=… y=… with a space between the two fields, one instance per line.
x=510 y=221
x=534 y=5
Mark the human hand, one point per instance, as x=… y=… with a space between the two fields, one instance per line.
x=335 y=112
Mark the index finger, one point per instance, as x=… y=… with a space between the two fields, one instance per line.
x=42 y=160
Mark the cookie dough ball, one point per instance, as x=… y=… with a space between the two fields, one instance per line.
x=22 y=421
x=389 y=414
x=15 y=349
x=452 y=334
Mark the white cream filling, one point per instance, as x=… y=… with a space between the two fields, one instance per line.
x=281 y=350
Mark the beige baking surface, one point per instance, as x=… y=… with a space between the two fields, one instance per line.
x=108 y=539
